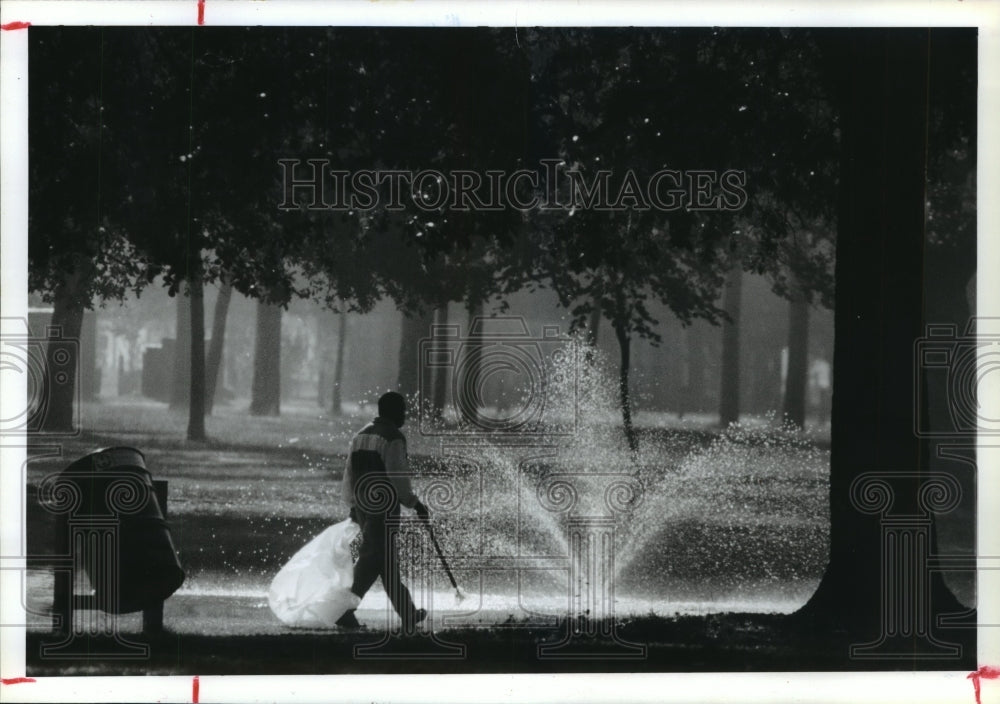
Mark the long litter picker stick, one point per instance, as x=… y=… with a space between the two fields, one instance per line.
x=459 y=596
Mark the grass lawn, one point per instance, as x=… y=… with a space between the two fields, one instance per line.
x=726 y=536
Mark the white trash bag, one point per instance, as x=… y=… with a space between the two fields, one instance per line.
x=314 y=589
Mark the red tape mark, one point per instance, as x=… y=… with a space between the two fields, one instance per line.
x=195 y=687
x=201 y=11
x=17 y=680
x=7 y=27
x=985 y=672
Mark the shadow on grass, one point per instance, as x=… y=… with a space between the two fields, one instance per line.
x=145 y=441
x=715 y=643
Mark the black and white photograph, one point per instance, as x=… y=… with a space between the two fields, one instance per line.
x=502 y=348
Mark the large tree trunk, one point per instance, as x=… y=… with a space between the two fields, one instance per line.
x=214 y=360
x=949 y=296
x=196 y=407
x=62 y=356
x=266 y=389
x=798 y=359
x=729 y=390
x=865 y=592
x=416 y=327
x=338 y=370
x=180 y=390
x=624 y=348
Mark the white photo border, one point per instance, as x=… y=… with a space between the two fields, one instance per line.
x=668 y=687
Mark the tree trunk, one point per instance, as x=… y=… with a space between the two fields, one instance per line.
x=729 y=390
x=694 y=395
x=181 y=387
x=338 y=370
x=324 y=336
x=214 y=359
x=266 y=389
x=416 y=327
x=62 y=357
x=624 y=347
x=878 y=317
x=90 y=373
x=439 y=396
x=593 y=328
x=196 y=407
x=798 y=360
x=472 y=368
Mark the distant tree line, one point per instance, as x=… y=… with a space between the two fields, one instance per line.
x=189 y=127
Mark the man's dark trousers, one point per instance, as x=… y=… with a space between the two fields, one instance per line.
x=377 y=558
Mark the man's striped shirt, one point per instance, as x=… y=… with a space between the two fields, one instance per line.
x=378 y=448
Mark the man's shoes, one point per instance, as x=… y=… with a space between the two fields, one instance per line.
x=414 y=617
x=348 y=621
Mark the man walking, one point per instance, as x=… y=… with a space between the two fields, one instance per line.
x=376 y=483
